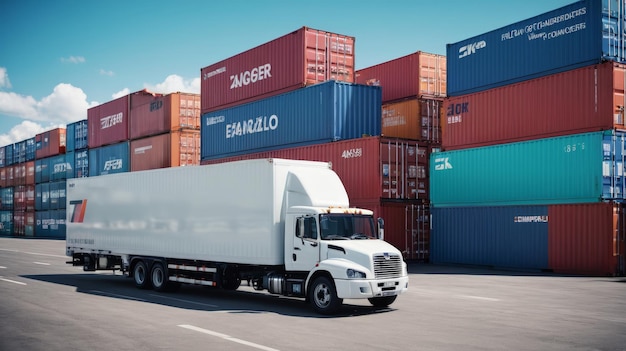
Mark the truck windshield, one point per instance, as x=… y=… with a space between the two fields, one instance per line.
x=346 y=227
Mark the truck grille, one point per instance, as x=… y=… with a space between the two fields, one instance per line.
x=387 y=266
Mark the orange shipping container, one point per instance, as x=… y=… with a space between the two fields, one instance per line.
x=178 y=148
x=30 y=173
x=50 y=143
x=165 y=113
x=414 y=119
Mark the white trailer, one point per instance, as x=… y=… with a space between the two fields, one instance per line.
x=284 y=225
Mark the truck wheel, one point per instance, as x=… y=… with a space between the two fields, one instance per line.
x=141 y=275
x=323 y=296
x=382 y=301
x=230 y=279
x=159 y=277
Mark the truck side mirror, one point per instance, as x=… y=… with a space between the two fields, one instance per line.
x=300 y=227
x=381 y=228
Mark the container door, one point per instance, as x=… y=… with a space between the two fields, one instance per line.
x=417 y=228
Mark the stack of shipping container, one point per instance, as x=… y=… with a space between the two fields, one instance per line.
x=142 y=131
x=138 y=131
x=318 y=110
x=532 y=172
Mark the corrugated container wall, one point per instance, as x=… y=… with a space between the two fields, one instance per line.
x=580 y=34
x=564 y=238
x=109 y=159
x=407 y=226
x=6 y=223
x=305 y=56
x=416 y=75
x=179 y=148
x=50 y=143
x=165 y=113
x=370 y=168
x=77 y=135
x=576 y=101
x=316 y=114
x=108 y=123
x=500 y=236
x=577 y=168
x=418 y=119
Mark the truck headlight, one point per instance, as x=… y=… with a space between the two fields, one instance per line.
x=351 y=273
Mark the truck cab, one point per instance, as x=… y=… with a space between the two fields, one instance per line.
x=340 y=254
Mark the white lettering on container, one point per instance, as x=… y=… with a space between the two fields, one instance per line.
x=467 y=50
x=251 y=126
x=251 y=76
x=530 y=219
x=113 y=164
x=110 y=121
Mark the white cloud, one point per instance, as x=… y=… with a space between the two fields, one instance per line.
x=106 y=73
x=23 y=131
x=73 y=59
x=66 y=104
x=121 y=93
x=175 y=83
x=4 y=78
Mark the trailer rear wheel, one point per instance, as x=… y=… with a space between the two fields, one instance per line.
x=323 y=296
x=141 y=275
x=159 y=277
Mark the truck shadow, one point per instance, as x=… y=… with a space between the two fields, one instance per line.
x=241 y=301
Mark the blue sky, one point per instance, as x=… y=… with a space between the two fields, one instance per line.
x=58 y=58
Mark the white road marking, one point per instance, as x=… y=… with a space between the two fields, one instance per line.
x=12 y=281
x=3 y=267
x=181 y=300
x=42 y=263
x=477 y=298
x=226 y=337
x=102 y=293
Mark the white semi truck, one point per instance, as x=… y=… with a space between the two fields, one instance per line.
x=285 y=226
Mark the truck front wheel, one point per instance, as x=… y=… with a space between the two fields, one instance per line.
x=382 y=301
x=323 y=296
x=141 y=275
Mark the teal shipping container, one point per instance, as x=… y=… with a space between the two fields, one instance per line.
x=578 y=168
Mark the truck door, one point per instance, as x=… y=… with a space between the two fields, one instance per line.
x=306 y=248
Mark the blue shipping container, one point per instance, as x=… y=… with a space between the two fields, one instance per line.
x=42 y=170
x=50 y=224
x=109 y=159
x=6 y=223
x=81 y=163
x=576 y=35
x=19 y=152
x=76 y=135
x=316 y=114
x=8 y=155
x=42 y=197
x=59 y=166
x=502 y=236
x=31 y=147
x=6 y=198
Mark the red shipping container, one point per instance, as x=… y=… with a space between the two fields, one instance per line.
x=24 y=197
x=3 y=177
x=419 y=74
x=417 y=119
x=576 y=101
x=9 y=176
x=407 y=225
x=50 y=143
x=370 y=168
x=305 y=56
x=178 y=148
x=587 y=238
x=30 y=173
x=108 y=123
x=165 y=113
x=19 y=174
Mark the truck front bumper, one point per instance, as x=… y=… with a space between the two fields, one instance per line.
x=364 y=288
